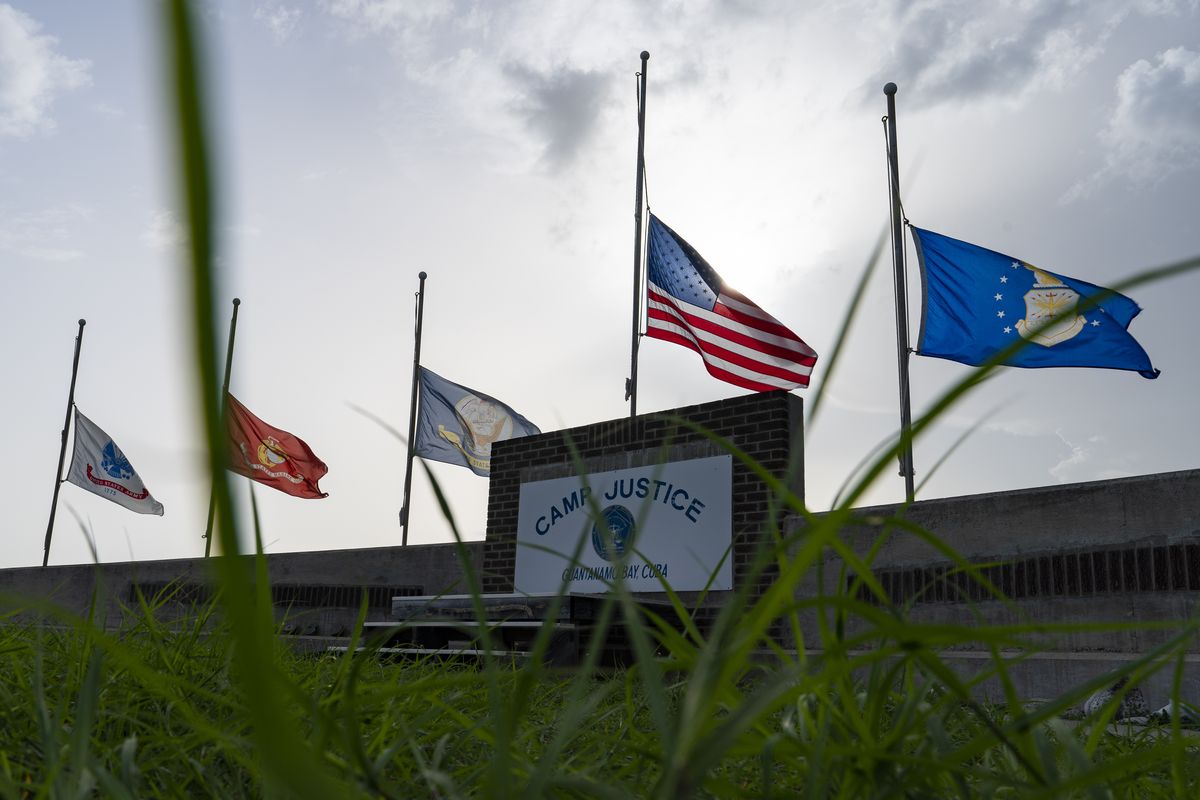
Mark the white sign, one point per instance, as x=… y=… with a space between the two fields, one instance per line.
x=671 y=520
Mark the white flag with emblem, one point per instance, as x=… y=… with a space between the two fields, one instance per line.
x=99 y=466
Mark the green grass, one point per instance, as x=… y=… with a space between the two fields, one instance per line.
x=159 y=709
x=210 y=704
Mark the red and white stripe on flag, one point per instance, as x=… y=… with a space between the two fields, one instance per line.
x=689 y=304
x=739 y=342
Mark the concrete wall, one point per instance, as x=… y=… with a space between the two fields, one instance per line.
x=1116 y=551
x=317 y=591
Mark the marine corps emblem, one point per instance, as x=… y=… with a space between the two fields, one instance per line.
x=1050 y=316
x=270 y=452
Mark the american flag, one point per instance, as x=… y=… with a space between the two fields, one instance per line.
x=688 y=304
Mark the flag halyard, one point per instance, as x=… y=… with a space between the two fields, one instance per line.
x=689 y=304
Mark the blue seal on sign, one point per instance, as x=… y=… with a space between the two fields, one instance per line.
x=613 y=532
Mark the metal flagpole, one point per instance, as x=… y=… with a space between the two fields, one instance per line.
x=62 y=453
x=212 y=498
x=412 y=411
x=902 y=349
x=631 y=382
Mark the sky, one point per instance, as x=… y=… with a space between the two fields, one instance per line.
x=492 y=145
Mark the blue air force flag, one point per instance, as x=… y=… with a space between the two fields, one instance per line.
x=978 y=302
x=99 y=466
x=458 y=425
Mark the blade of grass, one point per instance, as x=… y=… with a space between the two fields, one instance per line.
x=285 y=757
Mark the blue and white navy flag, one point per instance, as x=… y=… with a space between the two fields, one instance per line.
x=458 y=425
x=978 y=302
x=99 y=466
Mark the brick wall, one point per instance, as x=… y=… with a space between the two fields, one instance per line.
x=766 y=426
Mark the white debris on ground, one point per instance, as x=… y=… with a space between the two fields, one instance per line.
x=1132 y=713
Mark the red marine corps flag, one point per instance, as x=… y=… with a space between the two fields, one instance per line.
x=269 y=455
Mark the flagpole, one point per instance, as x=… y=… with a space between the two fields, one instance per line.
x=412 y=411
x=62 y=453
x=631 y=383
x=898 y=268
x=212 y=498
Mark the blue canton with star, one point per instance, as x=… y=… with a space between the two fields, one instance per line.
x=675 y=267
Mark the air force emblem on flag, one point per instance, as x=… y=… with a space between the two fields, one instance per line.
x=1050 y=316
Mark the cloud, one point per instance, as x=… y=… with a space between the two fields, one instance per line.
x=1079 y=457
x=380 y=16
x=953 y=51
x=164 y=232
x=1152 y=128
x=32 y=74
x=945 y=51
x=1157 y=113
x=562 y=107
x=280 y=20
x=318 y=174
x=43 y=235
x=52 y=254
x=535 y=81
x=1090 y=461
x=107 y=110
x=518 y=92
x=243 y=231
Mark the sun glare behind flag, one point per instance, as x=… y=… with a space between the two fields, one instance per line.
x=687 y=303
x=979 y=302
x=270 y=455
x=99 y=466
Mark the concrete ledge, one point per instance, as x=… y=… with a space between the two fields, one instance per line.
x=1047 y=675
x=421 y=569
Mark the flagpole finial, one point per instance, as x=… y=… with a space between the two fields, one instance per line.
x=82 y=322
x=645 y=55
x=890 y=88
x=237 y=301
x=422 y=275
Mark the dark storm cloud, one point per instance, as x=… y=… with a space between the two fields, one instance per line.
x=562 y=108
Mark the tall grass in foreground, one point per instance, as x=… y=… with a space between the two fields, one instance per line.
x=210 y=705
